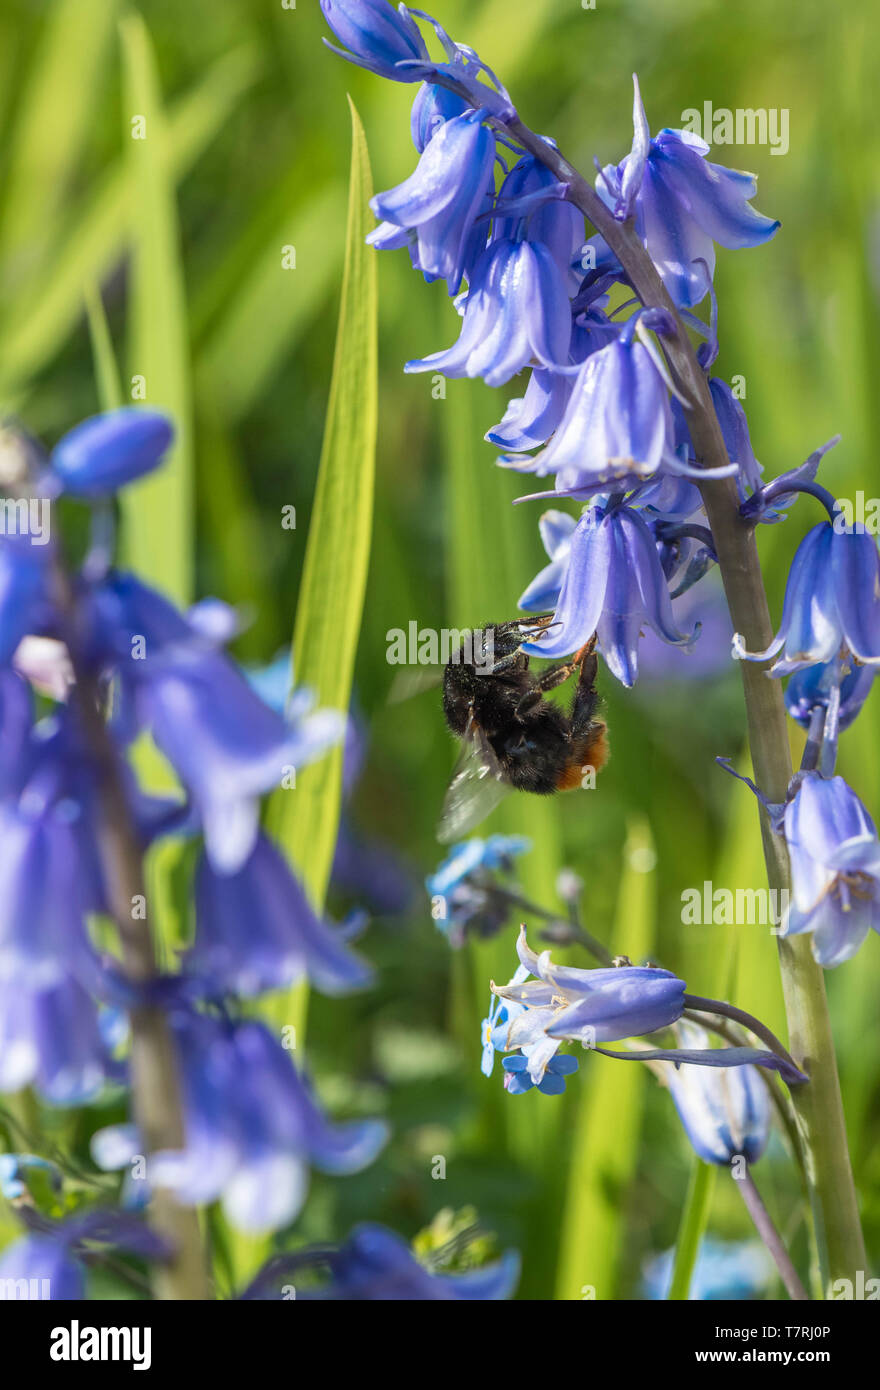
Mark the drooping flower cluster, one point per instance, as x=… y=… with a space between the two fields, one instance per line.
x=251 y=1125
x=600 y=414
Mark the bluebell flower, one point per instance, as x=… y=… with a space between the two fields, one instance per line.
x=225 y=745
x=725 y=1112
x=441 y=200
x=378 y=37
x=733 y=1270
x=811 y=687
x=256 y=930
x=376 y=1264
x=531 y=203
x=590 y=1006
x=617 y=430
x=251 y=1127
x=832 y=600
x=102 y=454
x=54 y=1258
x=50 y=1039
x=494 y=1027
x=683 y=204
x=530 y=420
x=471 y=900
x=835 y=867
x=613 y=584
x=433 y=107
x=25 y=592
x=517 y=312
x=734 y=428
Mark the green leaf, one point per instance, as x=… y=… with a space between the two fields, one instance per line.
x=304 y=819
x=157 y=512
x=107 y=381
x=52 y=122
x=41 y=316
x=692 y=1228
x=609 y=1113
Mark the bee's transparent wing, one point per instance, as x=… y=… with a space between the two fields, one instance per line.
x=475 y=789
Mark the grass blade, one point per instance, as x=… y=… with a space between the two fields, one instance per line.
x=694 y=1220
x=157 y=512
x=329 y=610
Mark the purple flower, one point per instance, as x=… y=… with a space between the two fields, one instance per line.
x=832 y=599
x=812 y=687
x=226 y=746
x=251 y=1127
x=25 y=603
x=467 y=899
x=256 y=930
x=102 y=454
x=835 y=868
x=378 y=36
x=531 y=203
x=617 y=429
x=725 y=1112
x=589 y=1006
x=613 y=585
x=517 y=311
x=48 y=1264
x=443 y=197
x=376 y=1265
x=682 y=204
x=530 y=420
x=50 y=1039
x=433 y=106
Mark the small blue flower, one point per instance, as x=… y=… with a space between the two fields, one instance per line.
x=102 y=454
x=812 y=687
x=441 y=200
x=730 y=1270
x=50 y=1039
x=465 y=887
x=225 y=745
x=54 y=1259
x=530 y=420
x=725 y=1112
x=378 y=36
x=832 y=599
x=375 y=1265
x=835 y=867
x=518 y=1078
x=683 y=205
x=432 y=108
x=614 y=584
x=251 y=1127
x=517 y=312
x=25 y=602
x=617 y=429
x=256 y=930
x=589 y=1006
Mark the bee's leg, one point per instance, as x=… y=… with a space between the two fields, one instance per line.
x=555 y=675
x=528 y=704
x=586 y=697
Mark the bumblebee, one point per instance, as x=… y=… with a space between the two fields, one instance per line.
x=512 y=737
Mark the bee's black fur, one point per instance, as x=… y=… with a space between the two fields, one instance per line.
x=532 y=738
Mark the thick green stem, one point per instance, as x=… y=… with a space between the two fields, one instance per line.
x=818 y=1105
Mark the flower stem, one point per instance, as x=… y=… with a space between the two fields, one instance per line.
x=818 y=1105
x=770 y=1236
x=155 y=1089
x=754 y=1025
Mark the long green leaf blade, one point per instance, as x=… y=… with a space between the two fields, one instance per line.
x=304 y=819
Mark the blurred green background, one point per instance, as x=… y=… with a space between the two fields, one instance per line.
x=254 y=159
